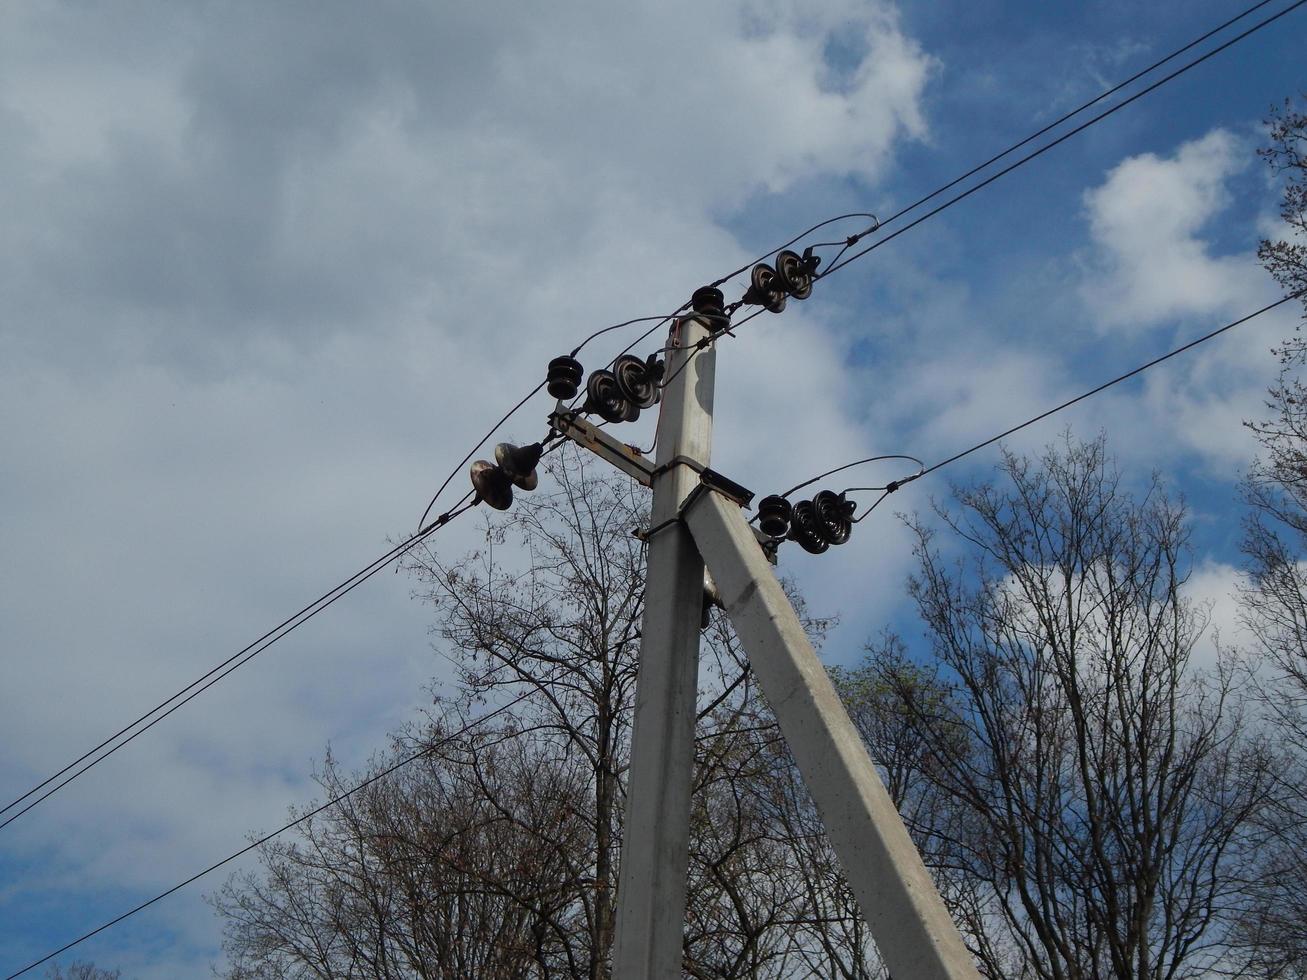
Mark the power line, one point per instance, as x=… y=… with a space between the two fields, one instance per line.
x=249 y=652
x=926 y=470
x=1107 y=384
x=1106 y=93
x=1065 y=136
x=237 y=660
x=877 y=224
x=217 y=673
x=837 y=265
x=1070 y=115
x=267 y=837
x=822 y=224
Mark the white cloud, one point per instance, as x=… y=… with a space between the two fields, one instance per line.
x=1153 y=270
x=1149 y=260
x=1214 y=587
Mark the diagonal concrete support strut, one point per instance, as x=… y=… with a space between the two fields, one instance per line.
x=906 y=916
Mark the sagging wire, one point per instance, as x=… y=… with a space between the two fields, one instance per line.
x=226 y=667
x=891 y=486
x=334 y=801
x=840 y=261
x=802 y=235
x=828 y=518
x=836 y=266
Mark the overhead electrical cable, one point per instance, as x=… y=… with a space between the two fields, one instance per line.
x=817 y=227
x=877 y=224
x=281 y=830
x=921 y=467
x=1060 y=139
x=237 y=660
x=166 y=707
x=217 y=673
x=1107 y=384
x=927 y=470
x=1106 y=93
x=330 y=597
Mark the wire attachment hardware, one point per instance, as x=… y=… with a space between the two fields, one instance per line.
x=710 y=301
x=491 y=485
x=804 y=529
x=815 y=524
x=834 y=516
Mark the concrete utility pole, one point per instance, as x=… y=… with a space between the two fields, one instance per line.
x=655 y=849
x=691 y=514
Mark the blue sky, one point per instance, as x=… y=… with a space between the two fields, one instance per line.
x=266 y=271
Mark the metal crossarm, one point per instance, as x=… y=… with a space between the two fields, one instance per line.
x=588 y=435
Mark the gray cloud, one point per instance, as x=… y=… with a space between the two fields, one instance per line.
x=265 y=272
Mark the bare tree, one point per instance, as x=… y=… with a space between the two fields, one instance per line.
x=458 y=865
x=81 y=970
x=1276 y=487
x=563 y=623
x=497 y=855
x=1275 y=545
x=1101 y=791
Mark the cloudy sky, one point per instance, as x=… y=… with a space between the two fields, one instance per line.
x=268 y=270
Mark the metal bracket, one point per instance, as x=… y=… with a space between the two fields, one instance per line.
x=626 y=458
x=727 y=487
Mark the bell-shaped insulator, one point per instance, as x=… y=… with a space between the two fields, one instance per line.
x=519 y=463
x=834 y=513
x=492 y=485
x=793 y=274
x=634 y=382
x=605 y=398
x=804 y=528
x=774 y=516
x=708 y=300
x=564 y=377
x=765 y=289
